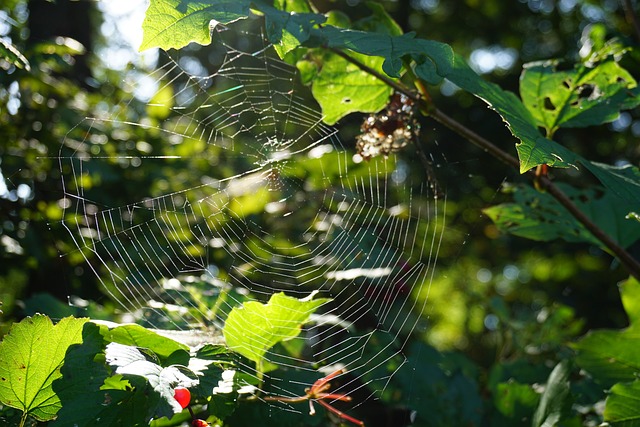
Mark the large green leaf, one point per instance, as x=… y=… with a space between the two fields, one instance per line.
x=31 y=356
x=254 y=328
x=87 y=393
x=136 y=335
x=610 y=356
x=342 y=88
x=176 y=23
x=435 y=60
x=129 y=360
x=555 y=401
x=621 y=408
x=538 y=216
x=584 y=96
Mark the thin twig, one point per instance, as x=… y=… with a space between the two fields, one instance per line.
x=631 y=17
x=632 y=265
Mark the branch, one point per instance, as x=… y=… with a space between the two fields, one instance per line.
x=631 y=264
x=631 y=17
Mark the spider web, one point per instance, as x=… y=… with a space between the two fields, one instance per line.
x=251 y=194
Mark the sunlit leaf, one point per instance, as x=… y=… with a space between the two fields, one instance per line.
x=342 y=88
x=580 y=97
x=31 y=356
x=136 y=335
x=630 y=294
x=176 y=23
x=254 y=328
x=129 y=360
x=610 y=356
x=533 y=148
x=88 y=394
x=621 y=406
x=434 y=59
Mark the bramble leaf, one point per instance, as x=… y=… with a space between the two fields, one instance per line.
x=88 y=394
x=130 y=360
x=254 y=328
x=31 y=356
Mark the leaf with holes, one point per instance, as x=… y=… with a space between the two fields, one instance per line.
x=254 y=328
x=31 y=356
x=584 y=96
x=533 y=149
x=538 y=216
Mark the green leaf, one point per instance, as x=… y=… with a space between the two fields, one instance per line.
x=630 y=294
x=610 y=356
x=130 y=360
x=538 y=216
x=435 y=60
x=581 y=97
x=342 y=88
x=515 y=401
x=254 y=328
x=12 y=55
x=288 y=30
x=379 y=21
x=138 y=336
x=555 y=400
x=176 y=23
x=87 y=394
x=622 y=405
x=623 y=181
x=533 y=148
x=31 y=356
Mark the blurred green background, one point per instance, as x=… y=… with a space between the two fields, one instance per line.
x=498 y=300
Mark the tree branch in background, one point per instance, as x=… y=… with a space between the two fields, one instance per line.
x=630 y=263
x=631 y=16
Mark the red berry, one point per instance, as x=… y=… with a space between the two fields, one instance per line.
x=200 y=423
x=183 y=396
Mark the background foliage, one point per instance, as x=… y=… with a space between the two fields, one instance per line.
x=505 y=314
